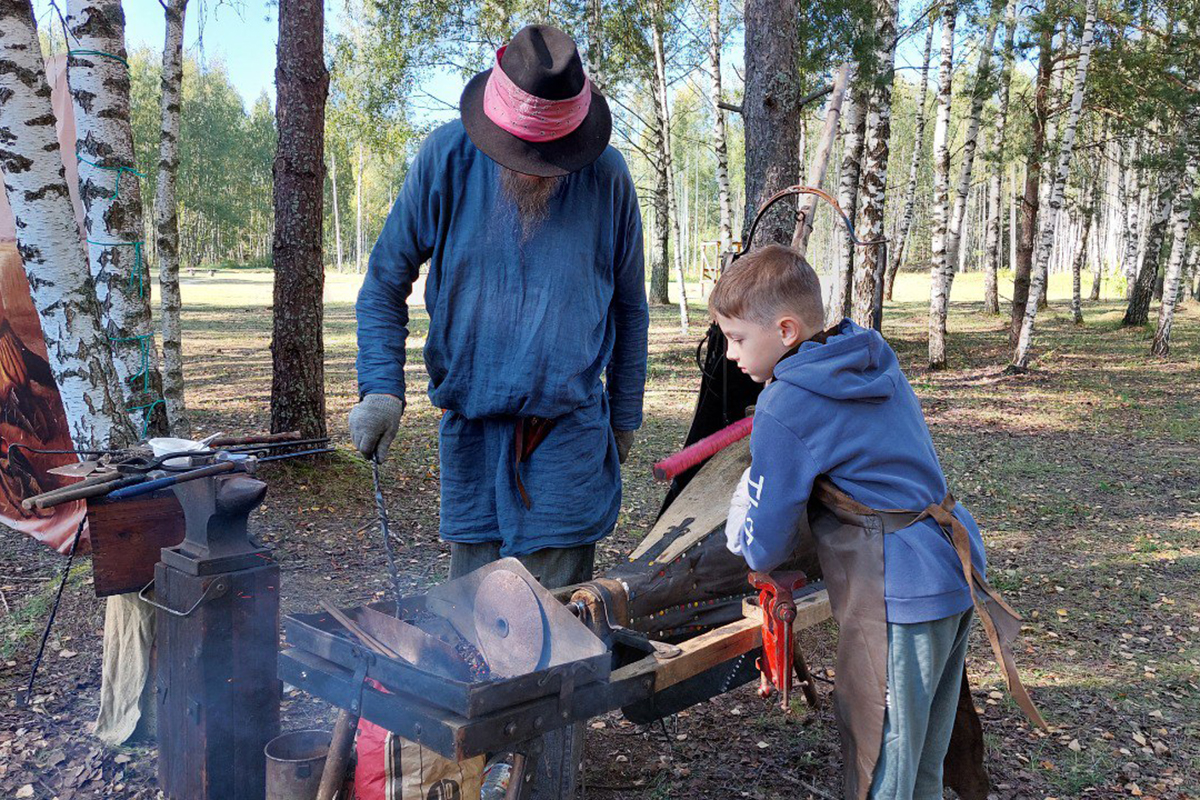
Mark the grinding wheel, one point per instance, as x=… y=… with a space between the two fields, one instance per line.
x=508 y=623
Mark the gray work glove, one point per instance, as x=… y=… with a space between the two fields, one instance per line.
x=624 y=444
x=373 y=424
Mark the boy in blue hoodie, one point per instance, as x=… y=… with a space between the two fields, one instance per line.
x=837 y=405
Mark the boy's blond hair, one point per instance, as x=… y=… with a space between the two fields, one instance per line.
x=766 y=284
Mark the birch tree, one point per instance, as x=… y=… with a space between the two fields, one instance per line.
x=720 y=146
x=52 y=253
x=664 y=113
x=867 y=280
x=1089 y=211
x=909 y=203
x=991 y=263
x=1137 y=312
x=854 y=130
x=939 y=281
x=111 y=195
x=166 y=218
x=1181 y=223
x=1057 y=186
x=297 y=346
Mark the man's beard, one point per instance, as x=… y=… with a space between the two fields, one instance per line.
x=530 y=194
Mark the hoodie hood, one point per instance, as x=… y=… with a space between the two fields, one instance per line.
x=854 y=363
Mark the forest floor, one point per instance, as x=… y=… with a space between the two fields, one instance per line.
x=1082 y=473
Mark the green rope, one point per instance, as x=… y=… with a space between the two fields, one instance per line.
x=113 y=56
x=136 y=274
x=149 y=407
x=144 y=343
x=119 y=170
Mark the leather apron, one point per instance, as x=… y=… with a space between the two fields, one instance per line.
x=849 y=537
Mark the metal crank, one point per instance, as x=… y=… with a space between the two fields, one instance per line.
x=778 y=661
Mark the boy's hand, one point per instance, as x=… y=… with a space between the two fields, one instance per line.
x=739 y=506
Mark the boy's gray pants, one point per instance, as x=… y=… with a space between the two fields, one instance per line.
x=558 y=767
x=925 y=665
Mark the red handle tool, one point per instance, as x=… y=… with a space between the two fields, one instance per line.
x=707 y=447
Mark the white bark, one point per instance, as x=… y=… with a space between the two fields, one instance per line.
x=166 y=220
x=900 y=240
x=48 y=239
x=1136 y=181
x=1058 y=183
x=939 y=280
x=660 y=87
x=110 y=190
x=991 y=298
x=720 y=145
x=1181 y=223
x=358 y=214
x=820 y=160
x=979 y=93
x=853 y=128
x=337 y=217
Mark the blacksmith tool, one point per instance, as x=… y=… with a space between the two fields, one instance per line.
x=381 y=509
x=509 y=623
x=778 y=660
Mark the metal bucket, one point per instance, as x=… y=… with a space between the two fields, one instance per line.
x=294 y=764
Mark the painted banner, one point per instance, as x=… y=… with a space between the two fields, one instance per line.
x=31 y=412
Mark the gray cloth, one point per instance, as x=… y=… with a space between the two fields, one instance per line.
x=127 y=708
x=556 y=774
x=925 y=667
x=373 y=424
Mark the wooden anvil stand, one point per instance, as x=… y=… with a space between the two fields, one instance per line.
x=217 y=595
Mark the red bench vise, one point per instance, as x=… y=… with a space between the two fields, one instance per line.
x=781 y=657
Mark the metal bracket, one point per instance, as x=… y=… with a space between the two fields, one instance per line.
x=358 y=683
x=215 y=589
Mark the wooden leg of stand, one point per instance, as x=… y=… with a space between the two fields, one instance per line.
x=340 y=748
x=517 y=781
x=807 y=684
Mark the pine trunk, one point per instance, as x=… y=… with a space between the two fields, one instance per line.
x=980 y=91
x=111 y=194
x=724 y=199
x=166 y=220
x=910 y=190
x=820 y=160
x=55 y=262
x=1023 y=266
x=868 y=282
x=297 y=347
x=939 y=282
x=771 y=112
x=660 y=88
x=1057 y=186
x=991 y=265
x=854 y=123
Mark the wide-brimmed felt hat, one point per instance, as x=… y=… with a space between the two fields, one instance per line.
x=535 y=111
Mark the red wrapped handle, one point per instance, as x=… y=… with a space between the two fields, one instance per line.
x=699 y=451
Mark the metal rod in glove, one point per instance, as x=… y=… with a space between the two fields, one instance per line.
x=381 y=508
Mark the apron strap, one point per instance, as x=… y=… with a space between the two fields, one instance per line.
x=528 y=433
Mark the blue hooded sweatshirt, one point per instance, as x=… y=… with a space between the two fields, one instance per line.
x=845 y=410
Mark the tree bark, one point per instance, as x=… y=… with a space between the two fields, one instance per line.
x=1033 y=174
x=939 y=283
x=1058 y=184
x=1137 y=312
x=166 y=220
x=980 y=91
x=1077 y=268
x=660 y=89
x=867 y=282
x=854 y=124
x=297 y=347
x=820 y=160
x=337 y=217
x=724 y=199
x=53 y=255
x=1181 y=223
x=660 y=268
x=771 y=112
x=358 y=214
x=991 y=292
x=111 y=194
x=910 y=190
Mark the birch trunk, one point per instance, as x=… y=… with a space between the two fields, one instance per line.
x=660 y=269
x=991 y=292
x=1059 y=181
x=724 y=200
x=337 y=217
x=771 y=113
x=910 y=190
x=939 y=283
x=868 y=287
x=297 y=346
x=1077 y=269
x=1181 y=223
x=1138 y=310
x=1133 y=227
x=660 y=89
x=358 y=214
x=111 y=194
x=52 y=253
x=854 y=122
x=820 y=159
x=980 y=91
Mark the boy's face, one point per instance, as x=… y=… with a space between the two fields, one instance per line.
x=756 y=349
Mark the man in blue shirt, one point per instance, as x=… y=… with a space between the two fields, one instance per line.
x=535 y=291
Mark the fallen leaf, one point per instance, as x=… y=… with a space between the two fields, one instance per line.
x=24 y=791
x=1074 y=745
